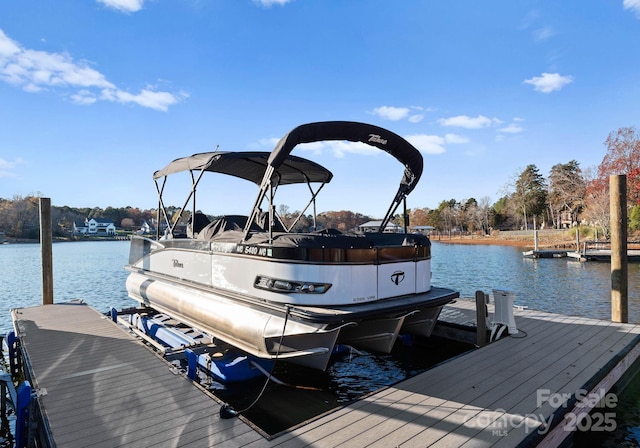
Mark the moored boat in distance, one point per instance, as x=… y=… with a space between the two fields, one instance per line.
x=277 y=293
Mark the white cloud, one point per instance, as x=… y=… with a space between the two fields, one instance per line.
x=413 y=114
x=35 y=71
x=83 y=97
x=434 y=144
x=269 y=3
x=391 y=113
x=454 y=138
x=123 y=5
x=428 y=144
x=7 y=46
x=146 y=98
x=549 y=82
x=512 y=128
x=464 y=121
x=633 y=5
x=7 y=167
x=542 y=34
x=340 y=148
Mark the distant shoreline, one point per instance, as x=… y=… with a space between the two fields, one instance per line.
x=498 y=241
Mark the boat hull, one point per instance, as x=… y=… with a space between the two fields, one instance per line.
x=300 y=334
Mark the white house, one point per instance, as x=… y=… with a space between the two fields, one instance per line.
x=145 y=229
x=373 y=226
x=94 y=226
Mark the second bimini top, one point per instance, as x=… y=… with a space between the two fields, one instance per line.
x=250 y=166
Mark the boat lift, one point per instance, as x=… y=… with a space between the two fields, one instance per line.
x=179 y=342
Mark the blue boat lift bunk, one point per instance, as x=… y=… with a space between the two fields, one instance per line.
x=178 y=342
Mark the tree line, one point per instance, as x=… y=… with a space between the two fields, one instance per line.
x=567 y=197
x=20 y=215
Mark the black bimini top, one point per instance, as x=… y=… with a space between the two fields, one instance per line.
x=372 y=135
x=250 y=166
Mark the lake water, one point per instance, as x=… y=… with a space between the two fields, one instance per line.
x=94 y=272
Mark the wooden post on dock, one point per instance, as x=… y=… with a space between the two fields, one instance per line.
x=619 y=266
x=46 y=251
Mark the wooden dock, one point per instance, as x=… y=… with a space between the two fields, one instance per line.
x=99 y=386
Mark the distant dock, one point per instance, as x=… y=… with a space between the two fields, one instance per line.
x=633 y=255
x=96 y=382
x=591 y=251
x=545 y=253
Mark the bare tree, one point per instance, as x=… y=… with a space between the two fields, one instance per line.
x=567 y=188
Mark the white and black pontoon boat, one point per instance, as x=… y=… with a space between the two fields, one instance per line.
x=274 y=293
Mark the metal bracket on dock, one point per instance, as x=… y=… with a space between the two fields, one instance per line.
x=13 y=345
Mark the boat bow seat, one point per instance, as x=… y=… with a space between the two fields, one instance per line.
x=200 y=221
x=227 y=223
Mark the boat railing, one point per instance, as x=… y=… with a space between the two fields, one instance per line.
x=140 y=246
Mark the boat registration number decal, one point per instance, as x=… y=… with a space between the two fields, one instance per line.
x=254 y=250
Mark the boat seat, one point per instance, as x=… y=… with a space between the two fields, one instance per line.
x=200 y=221
x=224 y=224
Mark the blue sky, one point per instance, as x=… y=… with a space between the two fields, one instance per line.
x=98 y=94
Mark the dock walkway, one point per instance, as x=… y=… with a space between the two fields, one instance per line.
x=98 y=386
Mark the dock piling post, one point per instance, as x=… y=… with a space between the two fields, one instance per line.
x=481 y=318
x=619 y=262
x=46 y=251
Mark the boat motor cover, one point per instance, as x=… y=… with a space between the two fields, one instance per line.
x=352 y=131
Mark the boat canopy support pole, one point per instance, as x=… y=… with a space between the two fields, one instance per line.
x=193 y=203
x=400 y=196
x=192 y=195
x=405 y=219
x=264 y=186
x=272 y=212
x=161 y=207
x=311 y=201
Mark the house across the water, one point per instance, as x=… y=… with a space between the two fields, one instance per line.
x=94 y=227
x=373 y=226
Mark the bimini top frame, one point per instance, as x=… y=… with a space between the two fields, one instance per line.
x=250 y=166
x=369 y=134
